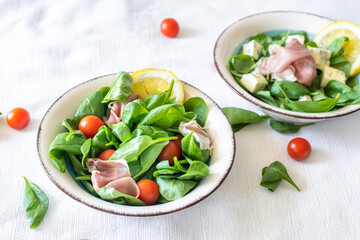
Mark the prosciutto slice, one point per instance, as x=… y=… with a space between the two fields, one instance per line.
x=114 y=174
x=116 y=109
x=200 y=135
x=293 y=54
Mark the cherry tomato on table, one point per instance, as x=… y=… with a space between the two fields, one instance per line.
x=90 y=125
x=105 y=155
x=18 y=118
x=169 y=152
x=299 y=149
x=170 y=27
x=149 y=191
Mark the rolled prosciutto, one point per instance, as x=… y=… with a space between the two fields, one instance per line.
x=116 y=109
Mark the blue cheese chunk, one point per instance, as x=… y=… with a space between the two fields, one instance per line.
x=305 y=98
x=321 y=56
x=330 y=73
x=300 y=38
x=253 y=49
x=253 y=82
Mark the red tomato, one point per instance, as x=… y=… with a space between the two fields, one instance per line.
x=170 y=27
x=169 y=152
x=299 y=149
x=149 y=191
x=105 y=155
x=178 y=141
x=18 y=118
x=90 y=125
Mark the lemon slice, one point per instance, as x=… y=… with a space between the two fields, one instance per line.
x=352 y=48
x=148 y=80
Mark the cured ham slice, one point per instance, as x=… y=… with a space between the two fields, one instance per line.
x=116 y=109
x=200 y=135
x=288 y=74
x=293 y=54
x=114 y=174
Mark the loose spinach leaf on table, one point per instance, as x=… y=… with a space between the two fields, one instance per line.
x=239 y=118
x=197 y=170
x=160 y=99
x=91 y=106
x=284 y=127
x=134 y=112
x=273 y=174
x=172 y=189
x=293 y=90
x=121 y=89
x=341 y=64
x=35 y=203
x=121 y=131
x=199 y=107
x=60 y=145
x=165 y=116
x=112 y=195
x=337 y=44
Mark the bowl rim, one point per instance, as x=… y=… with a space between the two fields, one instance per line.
x=112 y=211
x=268 y=107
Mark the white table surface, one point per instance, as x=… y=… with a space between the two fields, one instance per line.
x=48 y=47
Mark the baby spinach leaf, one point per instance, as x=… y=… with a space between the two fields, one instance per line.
x=159 y=99
x=239 y=118
x=312 y=106
x=319 y=95
x=112 y=195
x=310 y=44
x=350 y=97
x=265 y=96
x=134 y=112
x=197 y=170
x=121 y=89
x=293 y=90
x=59 y=146
x=273 y=174
x=315 y=85
x=284 y=127
x=164 y=116
x=337 y=44
x=352 y=82
x=178 y=165
x=281 y=41
x=85 y=149
x=172 y=189
x=70 y=124
x=261 y=38
x=279 y=35
x=334 y=87
x=191 y=147
x=198 y=106
x=104 y=139
x=104 y=90
x=83 y=178
x=121 y=131
x=241 y=64
x=35 y=203
x=341 y=63
x=91 y=106
x=302 y=33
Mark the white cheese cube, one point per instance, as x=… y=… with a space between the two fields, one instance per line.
x=330 y=73
x=300 y=38
x=305 y=98
x=253 y=82
x=321 y=56
x=271 y=48
x=287 y=75
x=253 y=49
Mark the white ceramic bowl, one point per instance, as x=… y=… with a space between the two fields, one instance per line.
x=233 y=35
x=217 y=126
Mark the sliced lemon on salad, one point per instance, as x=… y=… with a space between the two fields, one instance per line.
x=148 y=80
x=351 y=49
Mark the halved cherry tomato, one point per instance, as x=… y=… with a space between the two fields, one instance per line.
x=149 y=191
x=18 y=118
x=90 y=125
x=105 y=155
x=299 y=149
x=170 y=27
x=169 y=152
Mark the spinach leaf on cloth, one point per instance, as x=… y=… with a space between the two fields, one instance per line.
x=172 y=189
x=91 y=105
x=239 y=118
x=121 y=89
x=35 y=203
x=273 y=174
x=60 y=145
x=112 y=195
x=199 y=107
x=284 y=127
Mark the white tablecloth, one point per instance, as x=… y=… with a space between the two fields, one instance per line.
x=47 y=47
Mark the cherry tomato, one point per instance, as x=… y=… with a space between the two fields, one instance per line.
x=169 y=152
x=178 y=141
x=149 y=191
x=90 y=125
x=105 y=155
x=170 y=27
x=299 y=149
x=18 y=118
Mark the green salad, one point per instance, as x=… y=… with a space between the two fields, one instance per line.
x=289 y=71
x=134 y=151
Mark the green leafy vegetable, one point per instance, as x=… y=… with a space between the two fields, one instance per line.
x=164 y=116
x=197 y=170
x=85 y=149
x=310 y=44
x=302 y=33
x=157 y=100
x=341 y=63
x=91 y=106
x=241 y=64
x=112 y=195
x=239 y=118
x=191 y=148
x=283 y=127
x=70 y=124
x=337 y=44
x=198 y=106
x=35 y=202
x=261 y=38
x=172 y=189
x=266 y=97
x=312 y=106
x=334 y=87
x=121 y=89
x=273 y=174
x=134 y=112
x=293 y=90
x=121 y=131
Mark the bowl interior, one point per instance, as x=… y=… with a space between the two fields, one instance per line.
x=217 y=126
x=232 y=37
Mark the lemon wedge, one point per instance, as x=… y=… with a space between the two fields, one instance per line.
x=148 y=80
x=352 y=48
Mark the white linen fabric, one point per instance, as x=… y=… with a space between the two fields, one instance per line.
x=47 y=47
